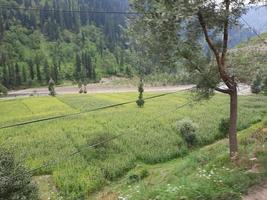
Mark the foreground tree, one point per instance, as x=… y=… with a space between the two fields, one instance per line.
x=15 y=182
x=175 y=30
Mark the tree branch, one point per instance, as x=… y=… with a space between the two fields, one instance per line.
x=222 y=90
x=225 y=32
x=207 y=37
x=220 y=60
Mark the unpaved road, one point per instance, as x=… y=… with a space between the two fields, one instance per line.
x=98 y=88
x=257 y=193
x=95 y=88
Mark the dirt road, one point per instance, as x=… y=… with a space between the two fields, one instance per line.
x=94 y=88
x=98 y=88
x=257 y=193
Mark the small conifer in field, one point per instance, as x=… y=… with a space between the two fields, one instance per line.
x=140 y=102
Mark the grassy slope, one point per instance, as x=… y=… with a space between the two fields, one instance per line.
x=157 y=141
x=206 y=174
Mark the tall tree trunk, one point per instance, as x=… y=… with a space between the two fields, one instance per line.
x=233 y=124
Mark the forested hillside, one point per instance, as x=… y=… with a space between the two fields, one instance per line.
x=62 y=39
x=249 y=58
x=46 y=41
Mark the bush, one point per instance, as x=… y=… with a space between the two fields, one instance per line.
x=3 y=90
x=256 y=85
x=15 y=182
x=140 y=102
x=187 y=128
x=51 y=87
x=101 y=143
x=224 y=126
x=138 y=175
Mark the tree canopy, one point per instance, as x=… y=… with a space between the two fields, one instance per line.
x=196 y=33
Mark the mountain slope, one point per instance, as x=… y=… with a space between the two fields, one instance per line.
x=249 y=58
x=37 y=45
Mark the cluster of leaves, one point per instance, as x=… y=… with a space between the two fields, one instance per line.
x=15 y=182
x=259 y=84
x=138 y=174
x=224 y=126
x=188 y=130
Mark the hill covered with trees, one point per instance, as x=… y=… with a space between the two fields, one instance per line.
x=62 y=39
x=51 y=39
x=249 y=58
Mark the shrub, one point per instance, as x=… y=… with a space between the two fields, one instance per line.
x=187 y=128
x=140 y=102
x=138 y=175
x=101 y=142
x=51 y=87
x=3 y=90
x=224 y=126
x=15 y=182
x=256 y=85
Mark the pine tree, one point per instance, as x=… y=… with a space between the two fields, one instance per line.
x=16 y=183
x=140 y=102
x=5 y=76
x=55 y=74
x=78 y=67
x=24 y=75
x=12 y=78
x=31 y=65
x=46 y=71
x=3 y=90
x=38 y=72
x=93 y=73
x=17 y=75
x=88 y=65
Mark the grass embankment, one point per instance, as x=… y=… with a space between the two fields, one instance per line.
x=151 y=143
x=204 y=174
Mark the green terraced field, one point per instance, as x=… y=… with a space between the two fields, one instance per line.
x=150 y=134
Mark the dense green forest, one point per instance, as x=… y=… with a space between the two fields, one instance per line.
x=45 y=41
x=60 y=39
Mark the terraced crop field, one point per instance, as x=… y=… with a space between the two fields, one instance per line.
x=149 y=134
